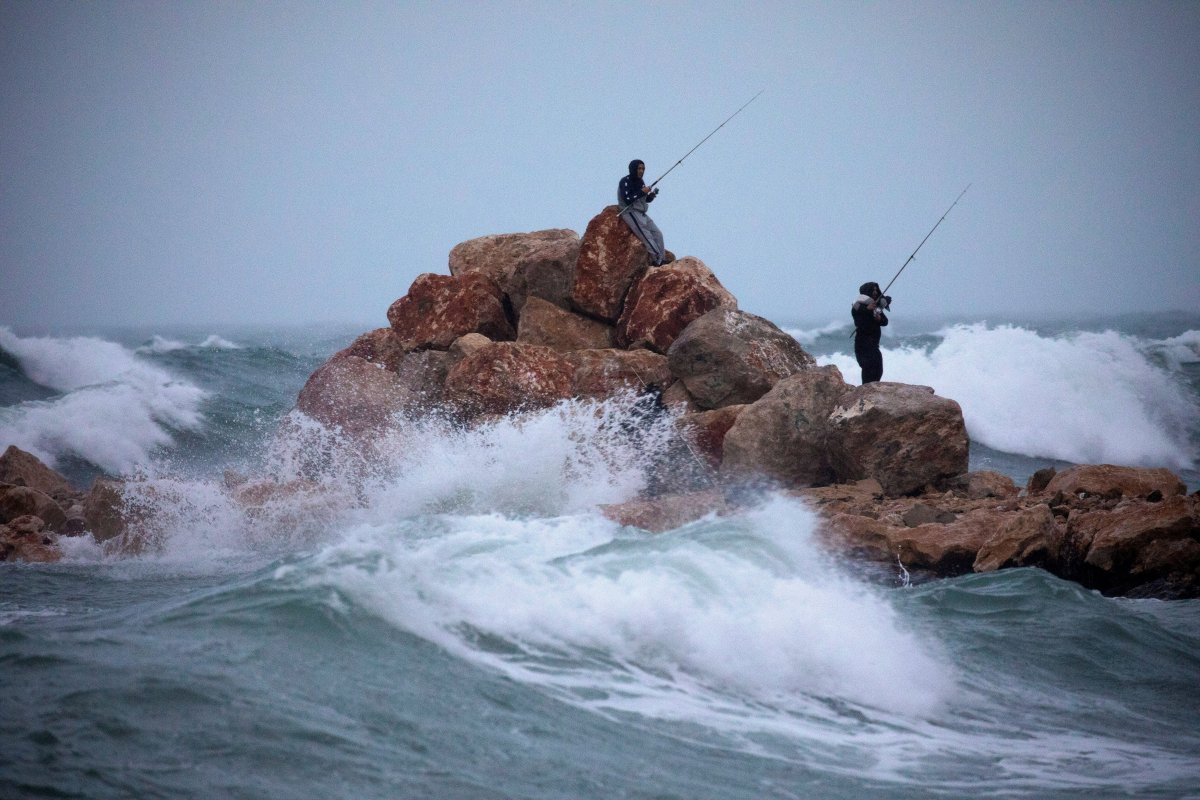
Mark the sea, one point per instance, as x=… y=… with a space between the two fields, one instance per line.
x=442 y=613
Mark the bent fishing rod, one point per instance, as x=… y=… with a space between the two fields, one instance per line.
x=650 y=188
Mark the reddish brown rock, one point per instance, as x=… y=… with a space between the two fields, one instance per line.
x=728 y=357
x=1139 y=542
x=610 y=259
x=1029 y=538
x=380 y=346
x=107 y=513
x=440 y=308
x=665 y=300
x=783 y=435
x=24 y=539
x=904 y=436
x=705 y=432
x=945 y=549
x=20 y=501
x=604 y=373
x=985 y=483
x=666 y=513
x=422 y=374
x=544 y=323
x=25 y=469
x=355 y=395
x=521 y=264
x=506 y=377
x=677 y=398
x=1107 y=480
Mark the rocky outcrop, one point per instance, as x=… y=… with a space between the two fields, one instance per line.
x=1107 y=480
x=904 y=436
x=665 y=300
x=610 y=259
x=608 y=372
x=24 y=469
x=783 y=436
x=440 y=308
x=354 y=394
x=544 y=323
x=539 y=264
x=727 y=357
x=507 y=377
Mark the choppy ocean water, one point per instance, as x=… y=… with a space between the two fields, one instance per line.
x=469 y=627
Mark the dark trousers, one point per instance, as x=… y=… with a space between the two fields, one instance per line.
x=866 y=351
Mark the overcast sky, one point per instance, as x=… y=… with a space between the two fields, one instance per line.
x=232 y=162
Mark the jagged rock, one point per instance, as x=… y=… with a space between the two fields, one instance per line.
x=782 y=435
x=904 y=436
x=22 y=539
x=604 y=373
x=1039 y=480
x=423 y=374
x=922 y=514
x=25 y=469
x=504 y=377
x=1107 y=480
x=523 y=265
x=1139 y=542
x=728 y=357
x=380 y=346
x=1029 y=538
x=945 y=549
x=705 y=431
x=677 y=398
x=108 y=515
x=610 y=258
x=20 y=501
x=355 y=395
x=666 y=513
x=665 y=300
x=440 y=308
x=984 y=483
x=544 y=323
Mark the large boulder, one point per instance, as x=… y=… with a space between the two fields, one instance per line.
x=25 y=469
x=1138 y=543
x=904 y=436
x=355 y=395
x=665 y=300
x=1107 y=480
x=537 y=264
x=380 y=346
x=705 y=431
x=728 y=357
x=106 y=510
x=440 y=308
x=20 y=501
x=546 y=324
x=505 y=377
x=601 y=373
x=1029 y=538
x=24 y=539
x=610 y=259
x=783 y=435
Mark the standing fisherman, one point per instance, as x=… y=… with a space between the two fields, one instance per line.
x=634 y=197
x=868 y=315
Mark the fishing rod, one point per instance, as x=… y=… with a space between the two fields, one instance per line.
x=931 y=230
x=914 y=252
x=650 y=188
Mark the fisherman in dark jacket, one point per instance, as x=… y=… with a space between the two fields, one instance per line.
x=868 y=315
x=634 y=196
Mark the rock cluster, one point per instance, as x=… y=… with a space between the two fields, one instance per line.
x=524 y=321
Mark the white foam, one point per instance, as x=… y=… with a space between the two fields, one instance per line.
x=115 y=409
x=159 y=344
x=1082 y=397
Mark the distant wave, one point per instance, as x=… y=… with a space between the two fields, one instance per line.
x=1082 y=397
x=810 y=335
x=113 y=410
x=160 y=344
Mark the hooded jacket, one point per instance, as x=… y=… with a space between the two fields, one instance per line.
x=629 y=190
